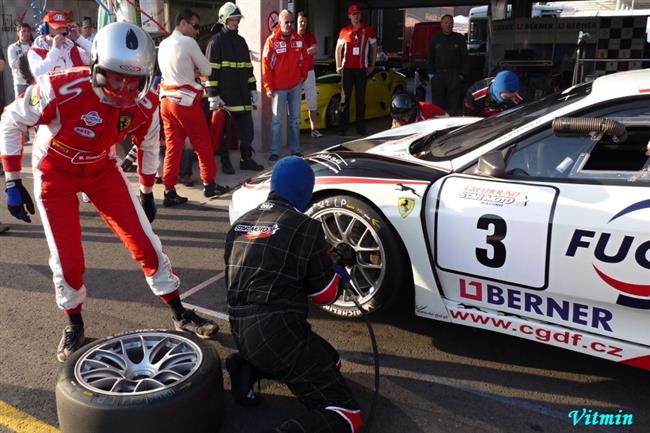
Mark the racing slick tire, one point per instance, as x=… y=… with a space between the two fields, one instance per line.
x=378 y=249
x=333 y=113
x=141 y=381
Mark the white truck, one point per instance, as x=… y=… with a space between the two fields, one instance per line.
x=542 y=49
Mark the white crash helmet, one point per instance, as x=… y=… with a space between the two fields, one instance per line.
x=229 y=10
x=126 y=49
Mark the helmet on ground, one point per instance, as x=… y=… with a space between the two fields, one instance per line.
x=229 y=10
x=404 y=108
x=122 y=50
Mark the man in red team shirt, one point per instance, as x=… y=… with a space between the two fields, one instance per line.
x=356 y=52
x=83 y=113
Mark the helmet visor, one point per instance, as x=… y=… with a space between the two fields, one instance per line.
x=122 y=90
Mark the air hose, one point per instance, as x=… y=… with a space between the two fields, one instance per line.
x=373 y=342
x=586 y=125
x=344 y=255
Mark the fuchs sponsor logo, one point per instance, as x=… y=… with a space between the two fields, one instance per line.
x=84 y=132
x=545 y=306
x=626 y=251
x=256 y=232
x=493 y=196
x=92 y=118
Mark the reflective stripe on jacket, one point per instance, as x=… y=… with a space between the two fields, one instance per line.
x=232 y=76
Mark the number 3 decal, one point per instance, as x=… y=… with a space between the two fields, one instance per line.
x=499 y=229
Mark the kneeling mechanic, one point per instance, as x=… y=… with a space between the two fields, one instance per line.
x=276 y=258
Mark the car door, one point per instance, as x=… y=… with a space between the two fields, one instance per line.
x=563 y=237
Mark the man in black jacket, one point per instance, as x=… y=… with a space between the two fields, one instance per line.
x=232 y=86
x=447 y=66
x=276 y=258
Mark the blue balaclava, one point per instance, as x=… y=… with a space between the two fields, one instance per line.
x=505 y=81
x=293 y=180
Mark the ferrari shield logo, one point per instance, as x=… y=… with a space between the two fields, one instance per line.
x=124 y=122
x=405 y=206
x=35 y=98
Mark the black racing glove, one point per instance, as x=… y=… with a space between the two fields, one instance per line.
x=343 y=254
x=149 y=205
x=19 y=202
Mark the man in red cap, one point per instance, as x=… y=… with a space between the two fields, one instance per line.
x=59 y=46
x=356 y=52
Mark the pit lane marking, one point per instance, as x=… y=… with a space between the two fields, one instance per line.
x=199 y=287
x=202 y=285
x=22 y=422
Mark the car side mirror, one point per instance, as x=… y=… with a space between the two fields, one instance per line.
x=492 y=164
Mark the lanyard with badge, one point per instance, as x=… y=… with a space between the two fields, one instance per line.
x=356 y=50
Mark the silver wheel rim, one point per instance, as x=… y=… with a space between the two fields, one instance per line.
x=138 y=363
x=341 y=225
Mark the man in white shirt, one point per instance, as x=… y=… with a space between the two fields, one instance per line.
x=181 y=62
x=17 y=53
x=87 y=29
x=59 y=46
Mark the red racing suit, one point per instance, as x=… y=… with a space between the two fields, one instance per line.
x=74 y=151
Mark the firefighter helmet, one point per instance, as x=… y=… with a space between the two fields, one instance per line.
x=229 y=10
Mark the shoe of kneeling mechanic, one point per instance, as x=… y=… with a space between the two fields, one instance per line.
x=212 y=189
x=242 y=379
x=192 y=322
x=73 y=338
x=226 y=166
x=172 y=198
x=250 y=164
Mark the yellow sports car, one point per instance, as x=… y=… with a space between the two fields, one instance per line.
x=381 y=87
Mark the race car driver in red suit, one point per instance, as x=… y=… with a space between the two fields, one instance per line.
x=83 y=113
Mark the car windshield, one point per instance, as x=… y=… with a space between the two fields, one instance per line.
x=476 y=134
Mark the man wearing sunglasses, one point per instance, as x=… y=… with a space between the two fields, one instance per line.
x=181 y=62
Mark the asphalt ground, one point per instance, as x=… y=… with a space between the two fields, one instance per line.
x=435 y=377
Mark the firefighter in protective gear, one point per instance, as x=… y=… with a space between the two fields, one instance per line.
x=276 y=259
x=492 y=95
x=83 y=113
x=232 y=86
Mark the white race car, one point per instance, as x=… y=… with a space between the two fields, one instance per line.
x=533 y=223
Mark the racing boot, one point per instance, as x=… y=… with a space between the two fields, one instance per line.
x=192 y=322
x=73 y=338
x=212 y=189
x=242 y=379
x=250 y=164
x=172 y=198
x=226 y=166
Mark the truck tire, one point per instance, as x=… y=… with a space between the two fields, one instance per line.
x=141 y=382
